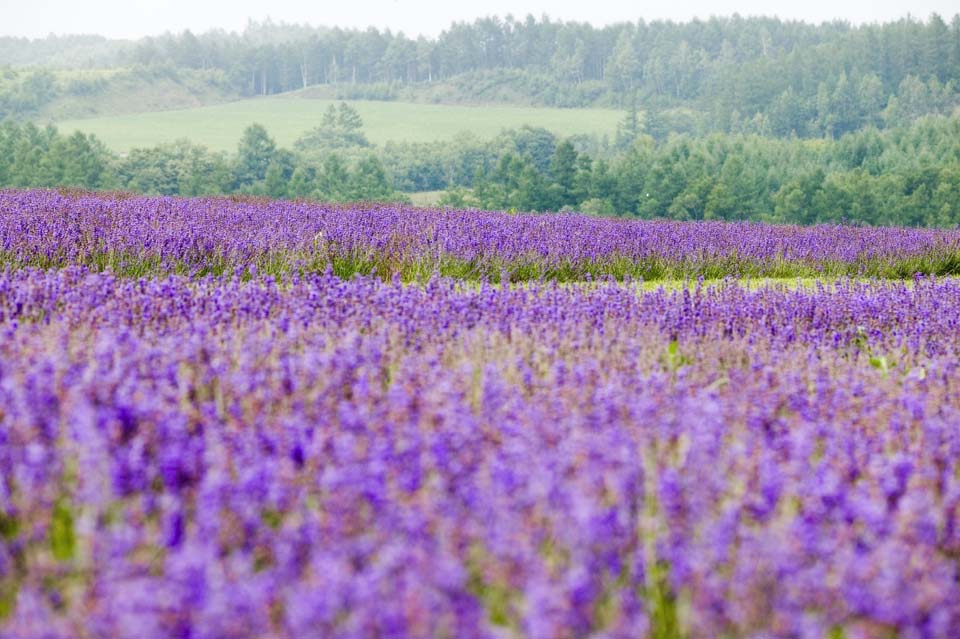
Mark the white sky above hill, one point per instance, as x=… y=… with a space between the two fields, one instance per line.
x=136 y=18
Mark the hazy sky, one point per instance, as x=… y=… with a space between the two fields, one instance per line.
x=135 y=18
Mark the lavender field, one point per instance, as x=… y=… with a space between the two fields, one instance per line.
x=216 y=423
x=151 y=236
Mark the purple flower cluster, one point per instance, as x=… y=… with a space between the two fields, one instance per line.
x=152 y=235
x=313 y=457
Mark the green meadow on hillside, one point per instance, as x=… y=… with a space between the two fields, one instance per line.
x=286 y=118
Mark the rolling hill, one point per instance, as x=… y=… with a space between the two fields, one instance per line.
x=287 y=117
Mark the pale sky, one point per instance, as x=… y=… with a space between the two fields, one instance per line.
x=136 y=18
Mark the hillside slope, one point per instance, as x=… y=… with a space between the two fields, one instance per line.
x=286 y=118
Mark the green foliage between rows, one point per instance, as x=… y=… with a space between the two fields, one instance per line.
x=348 y=264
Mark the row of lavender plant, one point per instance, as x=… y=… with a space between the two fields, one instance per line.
x=150 y=236
x=317 y=457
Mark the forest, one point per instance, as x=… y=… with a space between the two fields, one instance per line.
x=723 y=74
x=903 y=176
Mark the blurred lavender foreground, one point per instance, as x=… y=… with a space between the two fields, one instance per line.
x=307 y=456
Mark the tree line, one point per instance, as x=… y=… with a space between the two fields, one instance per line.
x=729 y=74
x=908 y=175
x=32 y=156
x=675 y=60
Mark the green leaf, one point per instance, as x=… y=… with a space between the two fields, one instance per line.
x=673 y=349
x=837 y=633
x=9 y=526
x=662 y=605
x=8 y=597
x=63 y=540
x=271 y=517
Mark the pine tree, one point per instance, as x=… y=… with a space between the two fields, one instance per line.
x=624 y=65
x=654 y=125
x=329 y=119
x=301 y=185
x=563 y=170
x=629 y=128
x=955 y=48
x=368 y=181
x=254 y=155
x=332 y=181
x=274 y=185
x=348 y=119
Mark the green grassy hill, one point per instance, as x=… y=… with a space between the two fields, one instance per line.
x=287 y=117
x=123 y=92
x=48 y=96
